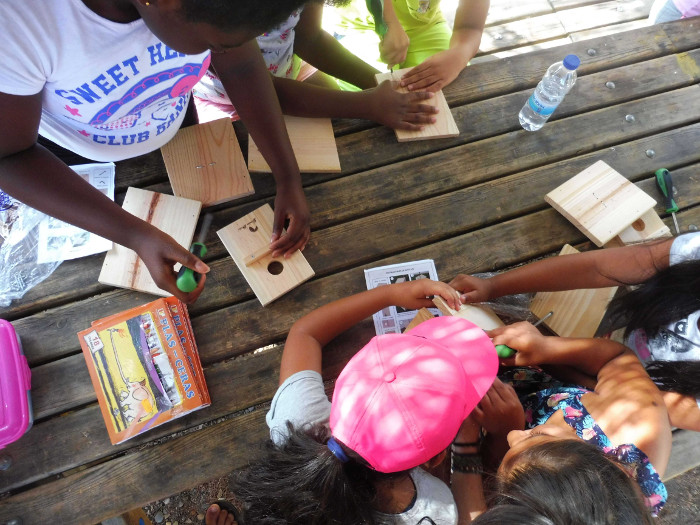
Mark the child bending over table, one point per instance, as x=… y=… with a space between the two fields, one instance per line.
x=397 y=405
x=111 y=79
x=585 y=456
x=661 y=316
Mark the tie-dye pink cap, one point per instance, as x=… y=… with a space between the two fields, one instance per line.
x=401 y=399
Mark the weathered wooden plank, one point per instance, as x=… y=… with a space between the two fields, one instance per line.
x=685 y=453
x=491 y=79
x=505 y=10
x=522 y=32
x=496 y=116
x=329 y=250
x=587 y=34
x=604 y=13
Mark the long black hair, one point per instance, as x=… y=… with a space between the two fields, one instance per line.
x=566 y=482
x=671 y=294
x=303 y=483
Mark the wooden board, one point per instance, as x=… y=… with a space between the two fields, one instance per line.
x=600 y=202
x=422 y=315
x=444 y=125
x=481 y=316
x=205 y=163
x=174 y=215
x=648 y=226
x=313 y=143
x=269 y=278
x=576 y=313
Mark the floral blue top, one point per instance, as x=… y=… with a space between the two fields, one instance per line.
x=540 y=406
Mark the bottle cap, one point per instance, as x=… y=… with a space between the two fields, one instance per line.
x=571 y=62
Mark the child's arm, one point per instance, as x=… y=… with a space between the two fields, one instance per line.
x=247 y=82
x=594 y=269
x=443 y=67
x=683 y=410
x=321 y=50
x=302 y=351
x=38 y=178
x=394 y=44
x=532 y=348
x=382 y=104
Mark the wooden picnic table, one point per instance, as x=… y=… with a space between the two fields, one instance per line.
x=472 y=203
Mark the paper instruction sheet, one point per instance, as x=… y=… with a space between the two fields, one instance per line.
x=394 y=319
x=60 y=241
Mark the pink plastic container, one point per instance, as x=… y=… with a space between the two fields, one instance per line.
x=15 y=384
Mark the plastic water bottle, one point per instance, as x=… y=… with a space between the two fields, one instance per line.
x=556 y=83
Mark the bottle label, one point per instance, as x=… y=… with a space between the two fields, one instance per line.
x=539 y=107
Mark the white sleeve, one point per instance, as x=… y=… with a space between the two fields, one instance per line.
x=301 y=400
x=22 y=54
x=685 y=247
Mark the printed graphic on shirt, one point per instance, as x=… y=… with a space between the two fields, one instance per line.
x=138 y=93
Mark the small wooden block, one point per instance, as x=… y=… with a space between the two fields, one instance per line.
x=600 y=202
x=174 y=215
x=250 y=234
x=444 y=126
x=481 y=316
x=205 y=163
x=313 y=143
x=649 y=226
x=576 y=313
x=422 y=315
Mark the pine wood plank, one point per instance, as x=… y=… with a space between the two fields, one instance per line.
x=205 y=163
x=313 y=143
x=246 y=239
x=648 y=226
x=444 y=125
x=174 y=215
x=600 y=202
x=576 y=313
x=482 y=316
x=422 y=315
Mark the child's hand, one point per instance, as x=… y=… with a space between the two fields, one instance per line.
x=500 y=411
x=160 y=252
x=290 y=204
x=434 y=73
x=400 y=110
x=474 y=290
x=530 y=345
x=416 y=294
x=394 y=46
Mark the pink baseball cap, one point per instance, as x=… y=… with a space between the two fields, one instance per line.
x=401 y=399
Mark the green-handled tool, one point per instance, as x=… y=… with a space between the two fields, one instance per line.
x=505 y=351
x=665 y=184
x=187 y=279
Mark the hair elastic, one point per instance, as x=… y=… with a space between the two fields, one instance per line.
x=337 y=450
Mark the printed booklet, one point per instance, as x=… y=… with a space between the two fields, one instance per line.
x=145 y=367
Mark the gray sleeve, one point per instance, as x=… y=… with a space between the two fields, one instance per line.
x=302 y=400
x=685 y=248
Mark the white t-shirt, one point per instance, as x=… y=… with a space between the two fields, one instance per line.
x=302 y=400
x=277 y=48
x=679 y=340
x=110 y=91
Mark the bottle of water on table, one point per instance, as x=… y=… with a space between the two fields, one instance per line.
x=556 y=83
